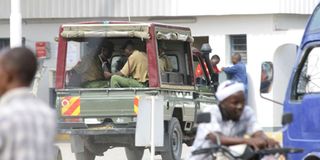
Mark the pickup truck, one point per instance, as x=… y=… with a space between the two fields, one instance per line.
x=102 y=118
x=302 y=99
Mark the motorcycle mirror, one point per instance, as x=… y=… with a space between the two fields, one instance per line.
x=204 y=117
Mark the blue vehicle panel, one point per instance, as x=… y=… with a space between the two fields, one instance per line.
x=304 y=132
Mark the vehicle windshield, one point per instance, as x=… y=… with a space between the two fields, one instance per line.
x=87 y=59
x=314 y=25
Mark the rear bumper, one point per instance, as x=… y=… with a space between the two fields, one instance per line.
x=88 y=132
x=82 y=129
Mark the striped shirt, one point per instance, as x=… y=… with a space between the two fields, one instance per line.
x=27 y=127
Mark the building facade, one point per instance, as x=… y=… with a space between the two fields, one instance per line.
x=264 y=30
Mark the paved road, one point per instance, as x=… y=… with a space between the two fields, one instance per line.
x=113 y=154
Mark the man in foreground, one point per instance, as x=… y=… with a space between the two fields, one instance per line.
x=27 y=125
x=231 y=120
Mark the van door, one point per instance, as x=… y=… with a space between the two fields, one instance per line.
x=303 y=94
x=304 y=132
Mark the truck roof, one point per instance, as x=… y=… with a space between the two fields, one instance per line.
x=125 y=29
x=131 y=22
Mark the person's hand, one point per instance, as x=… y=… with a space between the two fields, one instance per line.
x=107 y=75
x=257 y=143
x=222 y=68
x=212 y=137
x=271 y=143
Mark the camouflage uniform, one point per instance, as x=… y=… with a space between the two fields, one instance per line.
x=91 y=71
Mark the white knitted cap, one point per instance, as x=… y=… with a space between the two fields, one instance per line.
x=228 y=88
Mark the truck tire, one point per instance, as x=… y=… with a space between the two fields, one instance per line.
x=86 y=155
x=173 y=141
x=134 y=153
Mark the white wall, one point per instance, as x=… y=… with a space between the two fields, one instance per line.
x=39 y=32
x=263 y=39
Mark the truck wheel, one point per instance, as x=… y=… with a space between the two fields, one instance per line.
x=85 y=155
x=173 y=141
x=134 y=153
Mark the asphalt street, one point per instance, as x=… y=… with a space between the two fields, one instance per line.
x=112 y=154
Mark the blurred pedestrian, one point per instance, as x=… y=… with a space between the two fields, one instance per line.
x=27 y=125
x=215 y=59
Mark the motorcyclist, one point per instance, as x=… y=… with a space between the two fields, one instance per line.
x=231 y=120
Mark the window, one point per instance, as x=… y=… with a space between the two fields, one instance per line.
x=238 y=44
x=314 y=22
x=309 y=75
x=4 y=42
x=173 y=58
x=199 y=41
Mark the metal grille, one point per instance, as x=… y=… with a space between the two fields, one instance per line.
x=238 y=44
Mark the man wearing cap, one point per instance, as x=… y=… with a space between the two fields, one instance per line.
x=230 y=120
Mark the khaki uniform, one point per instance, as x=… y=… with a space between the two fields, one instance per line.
x=90 y=69
x=164 y=64
x=135 y=71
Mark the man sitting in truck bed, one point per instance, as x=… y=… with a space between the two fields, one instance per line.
x=92 y=66
x=133 y=74
x=128 y=49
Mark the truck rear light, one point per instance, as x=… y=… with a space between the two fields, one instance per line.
x=136 y=105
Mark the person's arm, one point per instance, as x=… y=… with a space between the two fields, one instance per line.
x=268 y=142
x=254 y=129
x=256 y=143
x=230 y=70
x=225 y=140
x=108 y=75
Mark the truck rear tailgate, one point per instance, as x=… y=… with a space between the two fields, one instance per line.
x=97 y=103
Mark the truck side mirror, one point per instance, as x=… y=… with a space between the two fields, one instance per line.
x=206 y=48
x=287 y=118
x=266 y=77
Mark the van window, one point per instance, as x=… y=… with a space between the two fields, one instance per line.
x=309 y=77
x=315 y=21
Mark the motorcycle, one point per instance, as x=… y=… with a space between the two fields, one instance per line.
x=243 y=151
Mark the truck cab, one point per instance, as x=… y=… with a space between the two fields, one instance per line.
x=302 y=98
x=99 y=118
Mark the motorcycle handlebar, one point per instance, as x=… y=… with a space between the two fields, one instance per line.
x=261 y=153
